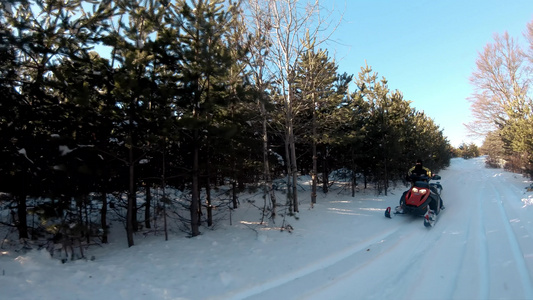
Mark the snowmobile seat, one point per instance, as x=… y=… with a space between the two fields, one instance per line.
x=422 y=184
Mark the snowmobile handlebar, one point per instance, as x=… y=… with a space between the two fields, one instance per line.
x=415 y=177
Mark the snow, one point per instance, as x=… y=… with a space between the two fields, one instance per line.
x=23 y=152
x=64 y=150
x=342 y=248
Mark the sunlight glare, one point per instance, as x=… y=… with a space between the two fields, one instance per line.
x=372 y=209
x=250 y=223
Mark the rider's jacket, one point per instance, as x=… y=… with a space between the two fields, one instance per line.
x=420 y=170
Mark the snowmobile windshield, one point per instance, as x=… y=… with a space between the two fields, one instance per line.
x=417 y=177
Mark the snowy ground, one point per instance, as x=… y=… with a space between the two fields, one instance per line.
x=343 y=248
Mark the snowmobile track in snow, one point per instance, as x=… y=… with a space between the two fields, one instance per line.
x=481 y=248
x=515 y=245
x=347 y=260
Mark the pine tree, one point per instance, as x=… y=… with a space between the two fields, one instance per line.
x=44 y=35
x=396 y=134
x=133 y=91
x=206 y=60
x=315 y=82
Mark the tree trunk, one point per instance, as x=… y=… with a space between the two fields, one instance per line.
x=131 y=203
x=385 y=167
x=209 y=206
x=268 y=190
x=208 y=191
x=294 y=171
x=164 y=184
x=325 y=170
x=315 y=166
x=354 y=174
x=131 y=213
x=148 y=206
x=292 y=148
x=194 y=210
x=234 y=193
x=289 y=201
x=86 y=203
x=103 y=217
x=22 y=224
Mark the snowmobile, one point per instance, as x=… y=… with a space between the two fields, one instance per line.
x=422 y=199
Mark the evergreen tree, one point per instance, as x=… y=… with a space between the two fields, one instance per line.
x=379 y=131
x=44 y=35
x=206 y=60
x=396 y=135
x=351 y=134
x=315 y=83
x=493 y=148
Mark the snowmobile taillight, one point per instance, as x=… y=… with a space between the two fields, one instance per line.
x=421 y=191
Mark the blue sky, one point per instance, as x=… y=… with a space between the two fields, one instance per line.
x=425 y=49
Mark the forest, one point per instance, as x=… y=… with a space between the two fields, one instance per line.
x=189 y=104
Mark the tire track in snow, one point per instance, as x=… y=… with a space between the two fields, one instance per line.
x=475 y=245
x=478 y=261
x=450 y=265
x=382 y=258
x=517 y=253
x=330 y=261
x=391 y=259
x=455 y=283
x=418 y=267
x=459 y=251
x=483 y=258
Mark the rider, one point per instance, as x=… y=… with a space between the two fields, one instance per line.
x=420 y=170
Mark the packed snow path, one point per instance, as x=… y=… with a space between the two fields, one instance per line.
x=480 y=248
x=343 y=248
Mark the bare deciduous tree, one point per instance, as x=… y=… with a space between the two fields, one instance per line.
x=259 y=44
x=529 y=37
x=499 y=80
x=502 y=101
x=289 y=22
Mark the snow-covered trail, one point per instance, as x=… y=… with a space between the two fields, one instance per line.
x=480 y=248
x=496 y=241
x=342 y=248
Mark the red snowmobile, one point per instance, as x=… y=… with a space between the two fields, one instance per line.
x=422 y=199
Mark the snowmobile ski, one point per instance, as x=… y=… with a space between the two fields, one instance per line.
x=399 y=210
x=430 y=218
x=387 y=212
